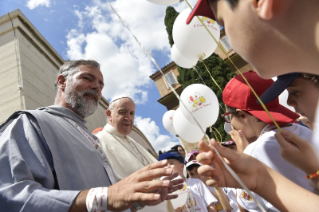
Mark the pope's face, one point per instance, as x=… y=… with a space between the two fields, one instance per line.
x=121 y=117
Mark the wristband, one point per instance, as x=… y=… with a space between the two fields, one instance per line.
x=96 y=200
x=310 y=176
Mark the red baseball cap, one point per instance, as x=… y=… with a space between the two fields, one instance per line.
x=237 y=94
x=202 y=8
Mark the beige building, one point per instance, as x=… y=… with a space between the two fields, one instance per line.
x=28 y=70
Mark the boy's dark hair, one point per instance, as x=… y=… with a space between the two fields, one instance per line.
x=190 y=168
x=175 y=148
x=311 y=77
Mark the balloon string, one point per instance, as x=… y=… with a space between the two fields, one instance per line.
x=221 y=137
x=199 y=75
x=212 y=77
x=214 y=136
x=223 y=50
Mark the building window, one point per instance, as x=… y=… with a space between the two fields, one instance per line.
x=170 y=78
x=226 y=44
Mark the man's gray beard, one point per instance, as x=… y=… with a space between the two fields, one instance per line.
x=83 y=106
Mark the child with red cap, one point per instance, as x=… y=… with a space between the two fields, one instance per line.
x=246 y=114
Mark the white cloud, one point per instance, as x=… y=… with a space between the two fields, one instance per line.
x=151 y=131
x=100 y=35
x=31 y=4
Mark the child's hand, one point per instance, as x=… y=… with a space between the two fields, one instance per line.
x=250 y=170
x=297 y=151
x=240 y=139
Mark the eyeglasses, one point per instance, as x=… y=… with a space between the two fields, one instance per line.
x=226 y=117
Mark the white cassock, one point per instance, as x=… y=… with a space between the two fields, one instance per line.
x=126 y=157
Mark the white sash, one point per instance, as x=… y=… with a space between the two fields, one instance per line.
x=96 y=144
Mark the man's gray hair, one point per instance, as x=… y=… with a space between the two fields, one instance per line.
x=70 y=67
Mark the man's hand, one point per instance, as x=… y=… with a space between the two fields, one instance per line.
x=140 y=187
x=247 y=168
x=298 y=152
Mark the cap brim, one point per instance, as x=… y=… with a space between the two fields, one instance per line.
x=277 y=87
x=188 y=164
x=202 y=8
x=281 y=115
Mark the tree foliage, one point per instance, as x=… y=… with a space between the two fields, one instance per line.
x=216 y=66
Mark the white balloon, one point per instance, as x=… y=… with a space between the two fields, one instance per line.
x=181 y=60
x=193 y=41
x=164 y=2
x=201 y=103
x=187 y=131
x=168 y=121
x=182 y=196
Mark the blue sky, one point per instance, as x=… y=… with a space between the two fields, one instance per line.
x=89 y=29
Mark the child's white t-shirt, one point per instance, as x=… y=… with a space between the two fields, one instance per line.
x=201 y=194
x=267 y=150
x=231 y=194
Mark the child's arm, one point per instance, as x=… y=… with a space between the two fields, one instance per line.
x=272 y=186
x=211 y=208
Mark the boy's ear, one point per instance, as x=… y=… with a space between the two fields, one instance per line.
x=264 y=8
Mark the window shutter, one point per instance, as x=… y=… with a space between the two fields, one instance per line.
x=170 y=78
x=226 y=43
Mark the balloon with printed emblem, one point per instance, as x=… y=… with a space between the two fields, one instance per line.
x=192 y=40
x=200 y=103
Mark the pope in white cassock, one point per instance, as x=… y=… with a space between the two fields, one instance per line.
x=125 y=155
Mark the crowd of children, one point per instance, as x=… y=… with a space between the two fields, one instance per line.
x=279 y=38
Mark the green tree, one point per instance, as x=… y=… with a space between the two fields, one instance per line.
x=216 y=66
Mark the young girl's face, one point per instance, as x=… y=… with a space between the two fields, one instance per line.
x=303 y=96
